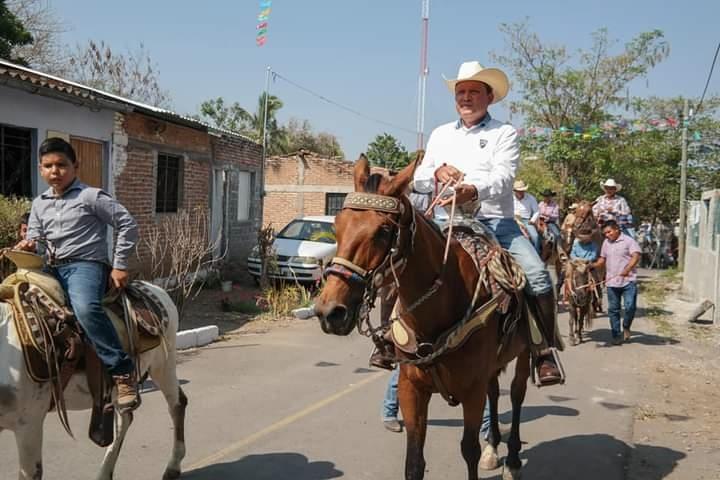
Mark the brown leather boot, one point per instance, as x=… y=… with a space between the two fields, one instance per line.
x=127 y=393
x=548 y=371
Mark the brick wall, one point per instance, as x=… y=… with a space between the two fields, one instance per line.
x=297 y=185
x=235 y=155
x=135 y=164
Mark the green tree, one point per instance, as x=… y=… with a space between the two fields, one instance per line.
x=12 y=34
x=47 y=52
x=234 y=117
x=559 y=91
x=299 y=135
x=386 y=151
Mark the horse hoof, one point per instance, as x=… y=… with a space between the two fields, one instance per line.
x=489 y=458
x=171 y=474
x=574 y=341
x=511 y=474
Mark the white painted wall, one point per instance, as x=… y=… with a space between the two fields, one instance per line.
x=23 y=109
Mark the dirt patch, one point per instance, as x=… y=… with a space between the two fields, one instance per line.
x=679 y=407
x=210 y=307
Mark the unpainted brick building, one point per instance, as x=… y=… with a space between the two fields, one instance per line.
x=304 y=184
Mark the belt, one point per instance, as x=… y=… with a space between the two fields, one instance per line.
x=69 y=260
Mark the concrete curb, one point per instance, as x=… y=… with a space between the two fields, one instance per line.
x=197 y=337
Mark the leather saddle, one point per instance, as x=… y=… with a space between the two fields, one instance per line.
x=54 y=345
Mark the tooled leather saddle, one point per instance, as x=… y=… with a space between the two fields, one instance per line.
x=54 y=346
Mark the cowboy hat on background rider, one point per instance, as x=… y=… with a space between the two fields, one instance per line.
x=484 y=153
x=612 y=206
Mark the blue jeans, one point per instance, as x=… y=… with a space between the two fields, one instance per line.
x=390 y=402
x=628 y=294
x=485 y=426
x=84 y=283
x=510 y=237
x=533 y=233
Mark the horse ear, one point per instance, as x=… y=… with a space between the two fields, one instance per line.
x=361 y=173
x=400 y=182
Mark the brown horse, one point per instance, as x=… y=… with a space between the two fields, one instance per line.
x=578 y=290
x=380 y=238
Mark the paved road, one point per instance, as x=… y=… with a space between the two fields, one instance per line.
x=297 y=404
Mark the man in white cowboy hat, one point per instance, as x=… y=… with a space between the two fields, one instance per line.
x=612 y=206
x=483 y=154
x=526 y=211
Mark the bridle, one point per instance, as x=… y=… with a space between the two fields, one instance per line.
x=573 y=289
x=393 y=262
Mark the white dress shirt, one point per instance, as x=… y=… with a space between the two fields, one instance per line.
x=527 y=208
x=488 y=155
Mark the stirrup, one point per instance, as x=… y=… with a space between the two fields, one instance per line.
x=558 y=363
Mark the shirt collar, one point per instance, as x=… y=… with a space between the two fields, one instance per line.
x=50 y=193
x=481 y=124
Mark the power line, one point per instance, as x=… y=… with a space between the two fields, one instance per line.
x=712 y=67
x=339 y=105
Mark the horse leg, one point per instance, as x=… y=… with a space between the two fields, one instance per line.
x=517 y=397
x=122 y=423
x=473 y=412
x=573 y=324
x=165 y=377
x=29 y=438
x=414 y=407
x=489 y=458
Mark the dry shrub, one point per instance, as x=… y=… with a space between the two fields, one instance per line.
x=281 y=300
x=11 y=211
x=181 y=253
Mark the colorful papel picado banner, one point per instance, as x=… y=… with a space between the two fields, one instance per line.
x=262 y=26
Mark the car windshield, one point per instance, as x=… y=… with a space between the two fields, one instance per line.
x=314 y=231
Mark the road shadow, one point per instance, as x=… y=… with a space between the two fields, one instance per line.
x=269 y=466
x=597 y=457
x=602 y=336
x=529 y=413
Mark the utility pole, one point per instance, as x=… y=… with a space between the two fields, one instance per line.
x=424 y=70
x=683 y=187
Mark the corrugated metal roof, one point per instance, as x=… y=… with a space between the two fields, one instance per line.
x=67 y=87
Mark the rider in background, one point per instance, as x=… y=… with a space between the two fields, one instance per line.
x=527 y=211
x=22 y=228
x=550 y=212
x=612 y=206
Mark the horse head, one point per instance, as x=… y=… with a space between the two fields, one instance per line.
x=579 y=277
x=584 y=217
x=374 y=232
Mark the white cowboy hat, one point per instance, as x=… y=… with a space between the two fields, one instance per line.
x=494 y=77
x=520 y=186
x=573 y=206
x=612 y=184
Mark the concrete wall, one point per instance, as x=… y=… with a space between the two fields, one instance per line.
x=701 y=278
x=234 y=155
x=42 y=114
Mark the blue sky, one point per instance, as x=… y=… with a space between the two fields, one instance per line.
x=365 y=54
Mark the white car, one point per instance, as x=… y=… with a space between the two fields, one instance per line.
x=302 y=248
